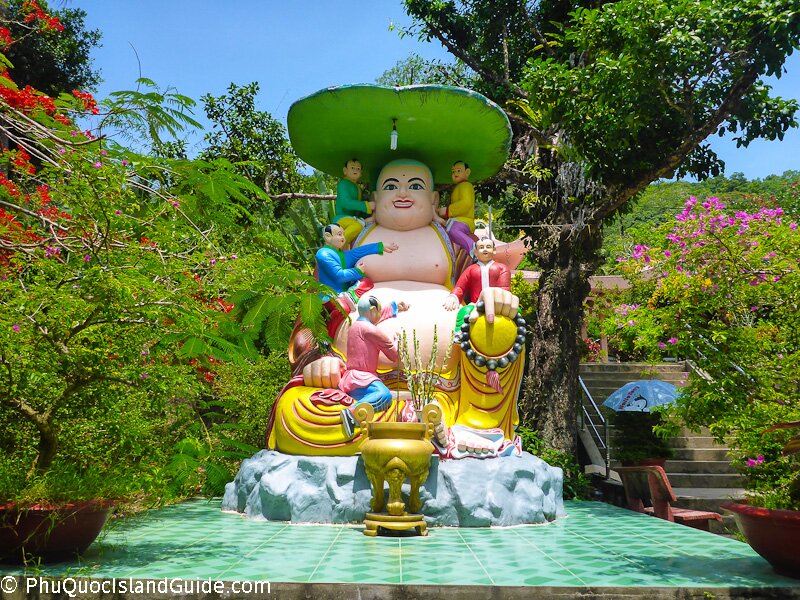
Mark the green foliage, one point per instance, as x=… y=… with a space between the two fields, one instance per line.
x=247 y=393
x=634 y=437
x=253 y=140
x=576 y=485
x=646 y=74
x=723 y=288
x=146 y=119
x=526 y=292
x=116 y=274
x=415 y=70
x=229 y=426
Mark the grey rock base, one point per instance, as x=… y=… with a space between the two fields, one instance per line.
x=459 y=493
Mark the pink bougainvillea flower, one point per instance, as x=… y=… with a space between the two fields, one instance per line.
x=87 y=258
x=672 y=340
x=661 y=345
x=98 y=164
x=15 y=327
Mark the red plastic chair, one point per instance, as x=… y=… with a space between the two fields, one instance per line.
x=647 y=490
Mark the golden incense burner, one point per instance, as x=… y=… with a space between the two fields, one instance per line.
x=394 y=452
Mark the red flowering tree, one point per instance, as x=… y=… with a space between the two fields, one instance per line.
x=114 y=269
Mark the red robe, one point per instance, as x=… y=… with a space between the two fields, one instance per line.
x=469 y=285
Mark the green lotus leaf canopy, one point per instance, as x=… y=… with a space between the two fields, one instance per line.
x=436 y=124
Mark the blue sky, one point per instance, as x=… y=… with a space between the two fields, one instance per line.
x=293 y=48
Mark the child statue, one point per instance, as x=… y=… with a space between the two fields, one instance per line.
x=483 y=274
x=364 y=345
x=459 y=216
x=350 y=208
x=341 y=271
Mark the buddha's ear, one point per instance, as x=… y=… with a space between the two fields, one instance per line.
x=435 y=199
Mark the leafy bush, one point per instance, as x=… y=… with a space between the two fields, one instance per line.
x=724 y=289
x=119 y=340
x=576 y=485
x=634 y=438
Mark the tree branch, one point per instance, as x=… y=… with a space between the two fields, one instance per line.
x=476 y=66
x=303 y=195
x=622 y=194
x=30 y=213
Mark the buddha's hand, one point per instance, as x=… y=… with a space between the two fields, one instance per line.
x=403 y=306
x=450 y=303
x=324 y=372
x=496 y=301
x=389 y=248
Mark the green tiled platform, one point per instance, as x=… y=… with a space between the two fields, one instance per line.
x=596 y=546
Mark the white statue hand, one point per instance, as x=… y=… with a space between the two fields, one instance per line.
x=450 y=303
x=497 y=301
x=324 y=372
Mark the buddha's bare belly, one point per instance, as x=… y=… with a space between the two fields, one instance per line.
x=421 y=257
x=426 y=312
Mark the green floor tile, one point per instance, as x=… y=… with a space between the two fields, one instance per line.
x=595 y=545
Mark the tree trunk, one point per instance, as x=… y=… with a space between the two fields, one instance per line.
x=567 y=254
x=48 y=445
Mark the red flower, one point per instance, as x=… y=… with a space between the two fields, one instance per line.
x=89 y=103
x=5 y=38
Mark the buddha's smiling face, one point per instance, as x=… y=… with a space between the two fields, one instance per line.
x=404 y=197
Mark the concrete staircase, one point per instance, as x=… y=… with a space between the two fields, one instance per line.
x=700 y=471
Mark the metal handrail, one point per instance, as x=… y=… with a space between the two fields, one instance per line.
x=708 y=343
x=602 y=440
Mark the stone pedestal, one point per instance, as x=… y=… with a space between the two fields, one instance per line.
x=458 y=493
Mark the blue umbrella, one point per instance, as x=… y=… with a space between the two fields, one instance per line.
x=642 y=395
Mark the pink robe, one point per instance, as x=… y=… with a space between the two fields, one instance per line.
x=364 y=345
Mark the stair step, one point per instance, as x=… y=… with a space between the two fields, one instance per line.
x=716 y=453
x=620 y=379
x=695 y=441
x=641 y=370
x=700 y=480
x=711 y=467
x=706 y=498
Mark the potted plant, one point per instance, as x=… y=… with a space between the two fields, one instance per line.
x=421 y=377
x=635 y=441
x=723 y=286
x=774 y=483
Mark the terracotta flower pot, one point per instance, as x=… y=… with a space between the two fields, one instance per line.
x=50 y=533
x=772 y=533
